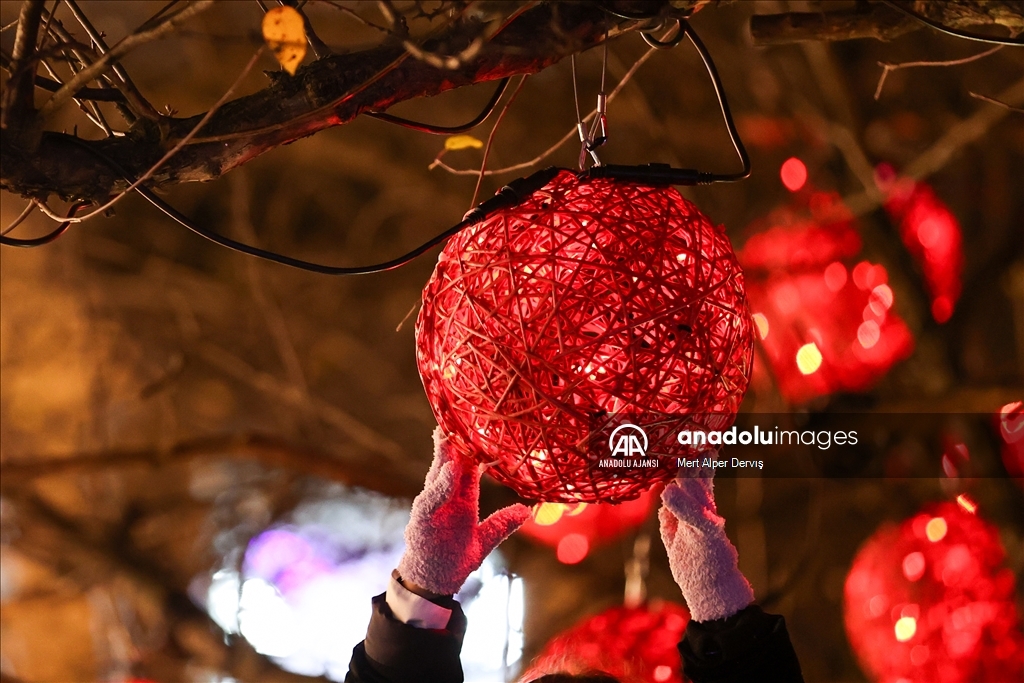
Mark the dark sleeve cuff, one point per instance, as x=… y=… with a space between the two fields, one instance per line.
x=394 y=652
x=748 y=646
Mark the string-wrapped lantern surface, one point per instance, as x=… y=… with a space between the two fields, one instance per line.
x=636 y=644
x=591 y=298
x=931 y=601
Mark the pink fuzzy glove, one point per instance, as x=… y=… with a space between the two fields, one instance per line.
x=444 y=541
x=703 y=561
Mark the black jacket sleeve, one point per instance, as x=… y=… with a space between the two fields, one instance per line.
x=748 y=646
x=394 y=652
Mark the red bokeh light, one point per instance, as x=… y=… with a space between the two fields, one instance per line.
x=931 y=234
x=590 y=299
x=930 y=601
x=572 y=548
x=1011 y=431
x=825 y=323
x=636 y=644
x=595 y=523
x=793 y=174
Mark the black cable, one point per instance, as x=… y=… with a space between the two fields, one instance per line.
x=621 y=14
x=723 y=104
x=509 y=195
x=664 y=44
x=47 y=238
x=445 y=130
x=663 y=173
x=966 y=35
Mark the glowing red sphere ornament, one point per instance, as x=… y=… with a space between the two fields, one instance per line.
x=930 y=601
x=825 y=320
x=573 y=529
x=589 y=299
x=629 y=643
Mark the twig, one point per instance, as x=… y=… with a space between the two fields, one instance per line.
x=141 y=104
x=352 y=13
x=120 y=49
x=888 y=68
x=437 y=163
x=991 y=100
x=21 y=217
x=490 y=140
x=181 y=143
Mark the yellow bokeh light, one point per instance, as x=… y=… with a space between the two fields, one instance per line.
x=808 y=358
x=762 y=324
x=547 y=514
x=935 y=529
x=905 y=628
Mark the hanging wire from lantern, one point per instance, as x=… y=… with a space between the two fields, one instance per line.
x=509 y=195
x=591 y=140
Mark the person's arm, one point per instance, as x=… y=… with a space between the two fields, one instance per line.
x=728 y=639
x=416 y=631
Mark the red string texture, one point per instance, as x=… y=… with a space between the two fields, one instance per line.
x=630 y=643
x=931 y=601
x=590 y=299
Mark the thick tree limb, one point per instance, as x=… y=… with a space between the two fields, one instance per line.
x=880 y=22
x=328 y=92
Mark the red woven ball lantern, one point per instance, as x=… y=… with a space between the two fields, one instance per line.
x=931 y=234
x=930 y=601
x=633 y=644
x=591 y=298
x=825 y=320
x=572 y=529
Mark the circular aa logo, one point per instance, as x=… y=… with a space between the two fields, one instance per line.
x=628 y=441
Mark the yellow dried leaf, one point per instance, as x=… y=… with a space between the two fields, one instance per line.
x=462 y=142
x=285 y=34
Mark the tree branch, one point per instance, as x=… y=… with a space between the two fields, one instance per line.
x=18 y=102
x=880 y=22
x=329 y=92
x=267 y=450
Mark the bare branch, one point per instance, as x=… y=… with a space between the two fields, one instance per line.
x=269 y=451
x=123 y=47
x=999 y=103
x=325 y=93
x=880 y=22
x=888 y=68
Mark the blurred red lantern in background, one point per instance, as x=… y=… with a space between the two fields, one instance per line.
x=573 y=529
x=634 y=644
x=591 y=298
x=930 y=601
x=931 y=234
x=826 y=323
